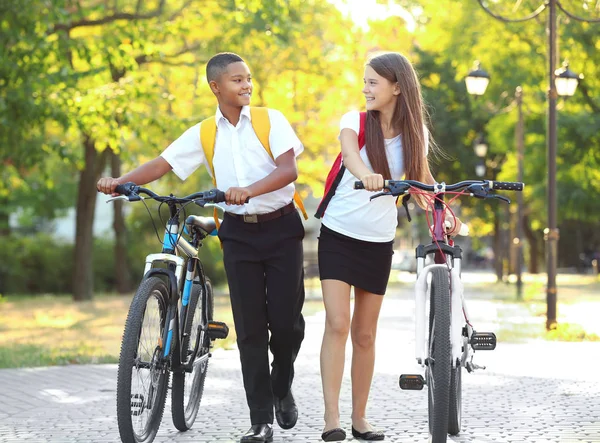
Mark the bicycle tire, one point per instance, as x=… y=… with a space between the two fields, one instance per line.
x=132 y=361
x=440 y=356
x=455 y=413
x=188 y=387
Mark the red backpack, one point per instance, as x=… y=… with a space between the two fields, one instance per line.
x=337 y=171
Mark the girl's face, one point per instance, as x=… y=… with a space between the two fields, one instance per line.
x=381 y=94
x=235 y=85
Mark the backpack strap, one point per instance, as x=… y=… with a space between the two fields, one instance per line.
x=208 y=136
x=337 y=170
x=262 y=127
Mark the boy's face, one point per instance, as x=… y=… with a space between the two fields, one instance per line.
x=234 y=86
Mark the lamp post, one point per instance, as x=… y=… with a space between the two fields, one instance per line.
x=520 y=142
x=480 y=148
x=551 y=232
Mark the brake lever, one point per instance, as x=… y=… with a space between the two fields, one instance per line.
x=500 y=197
x=380 y=194
x=118 y=197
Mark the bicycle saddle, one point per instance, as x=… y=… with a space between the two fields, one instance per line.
x=207 y=224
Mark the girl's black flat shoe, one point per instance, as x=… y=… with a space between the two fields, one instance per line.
x=335 y=434
x=369 y=435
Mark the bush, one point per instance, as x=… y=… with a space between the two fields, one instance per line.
x=36 y=264
x=41 y=264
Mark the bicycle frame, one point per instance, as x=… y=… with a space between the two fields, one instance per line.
x=173 y=245
x=450 y=255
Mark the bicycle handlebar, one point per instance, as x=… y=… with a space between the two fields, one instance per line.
x=405 y=185
x=475 y=188
x=132 y=191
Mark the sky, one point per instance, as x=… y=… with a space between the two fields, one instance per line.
x=361 y=11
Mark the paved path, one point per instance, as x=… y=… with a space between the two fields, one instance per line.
x=535 y=392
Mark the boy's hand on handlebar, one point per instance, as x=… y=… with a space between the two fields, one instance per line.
x=372 y=182
x=107 y=185
x=237 y=196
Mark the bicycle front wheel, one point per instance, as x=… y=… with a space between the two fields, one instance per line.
x=142 y=378
x=440 y=355
x=455 y=417
x=188 y=387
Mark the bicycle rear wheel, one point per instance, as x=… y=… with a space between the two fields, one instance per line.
x=188 y=387
x=440 y=356
x=142 y=378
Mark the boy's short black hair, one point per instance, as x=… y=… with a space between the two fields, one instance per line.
x=217 y=65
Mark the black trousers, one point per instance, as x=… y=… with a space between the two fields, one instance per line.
x=264 y=266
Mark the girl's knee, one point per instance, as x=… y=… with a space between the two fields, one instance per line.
x=337 y=325
x=363 y=338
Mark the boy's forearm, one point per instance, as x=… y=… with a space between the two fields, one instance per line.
x=146 y=173
x=282 y=176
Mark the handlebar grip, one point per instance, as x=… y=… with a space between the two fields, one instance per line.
x=359 y=185
x=125 y=188
x=220 y=197
x=508 y=186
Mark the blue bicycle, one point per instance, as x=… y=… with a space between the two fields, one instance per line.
x=169 y=327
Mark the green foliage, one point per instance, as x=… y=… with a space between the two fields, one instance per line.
x=40 y=264
x=570 y=332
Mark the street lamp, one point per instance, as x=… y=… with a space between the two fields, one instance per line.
x=480 y=146
x=551 y=232
x=477 y=80
x=566 y=81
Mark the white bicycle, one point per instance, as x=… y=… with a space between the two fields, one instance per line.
x=446 y=343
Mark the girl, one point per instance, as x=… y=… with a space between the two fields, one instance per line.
x=356 y=239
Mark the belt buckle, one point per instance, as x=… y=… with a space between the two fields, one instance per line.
x=250 y=218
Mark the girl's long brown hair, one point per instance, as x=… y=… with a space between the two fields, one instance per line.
x=408 y=119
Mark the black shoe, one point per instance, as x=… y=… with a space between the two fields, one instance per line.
x=335 y=434
x=258 y=433
x=286 y=411
x=369 y=435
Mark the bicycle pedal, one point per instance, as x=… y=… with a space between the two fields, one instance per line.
x=483 y=341
x=217 y=329
x=411 y=382
x=137 y=404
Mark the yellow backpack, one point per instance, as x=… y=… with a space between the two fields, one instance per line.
x=261 y=125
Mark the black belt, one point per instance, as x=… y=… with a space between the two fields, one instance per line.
x=259 y=218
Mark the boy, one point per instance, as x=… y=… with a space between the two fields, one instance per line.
x=262 y=239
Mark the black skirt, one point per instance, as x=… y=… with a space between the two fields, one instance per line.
x=363 y=264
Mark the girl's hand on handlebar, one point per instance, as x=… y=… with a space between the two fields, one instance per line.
x=459 y=229
x=372 y=182
x=107 y=185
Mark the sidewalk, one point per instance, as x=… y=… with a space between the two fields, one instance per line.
x=534 y=392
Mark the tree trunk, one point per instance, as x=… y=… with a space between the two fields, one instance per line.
x=533 y=246
x=83 y=277
x=498 y=247
x=4 y=218
x=122 y=277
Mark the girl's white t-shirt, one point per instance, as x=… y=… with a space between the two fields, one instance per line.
x=350 y=212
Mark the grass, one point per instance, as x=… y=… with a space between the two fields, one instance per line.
x=578 y=297
x=54 y=330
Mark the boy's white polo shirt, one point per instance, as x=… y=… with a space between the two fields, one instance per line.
x=239 y=158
